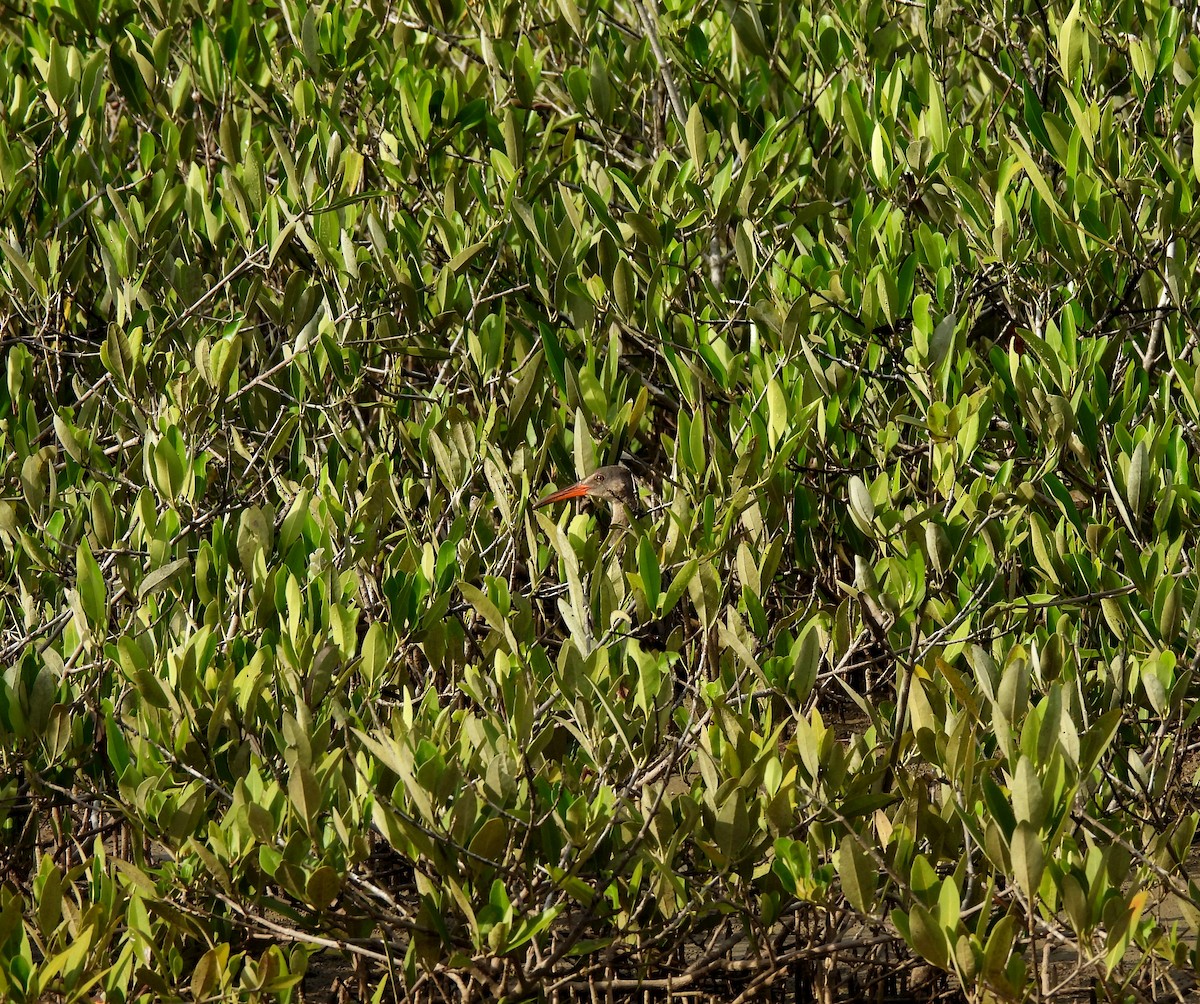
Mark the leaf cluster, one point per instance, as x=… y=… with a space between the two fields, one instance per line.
x=892 y=308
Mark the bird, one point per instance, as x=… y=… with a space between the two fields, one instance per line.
x=611 y=605
x=614 y=484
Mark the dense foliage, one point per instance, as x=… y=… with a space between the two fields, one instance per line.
x=895 y=304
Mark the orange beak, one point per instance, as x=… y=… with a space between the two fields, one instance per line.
x=577 y=490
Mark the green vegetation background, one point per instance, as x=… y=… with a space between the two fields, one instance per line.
x=302 y=305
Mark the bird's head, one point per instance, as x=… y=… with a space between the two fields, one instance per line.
x=613 y=484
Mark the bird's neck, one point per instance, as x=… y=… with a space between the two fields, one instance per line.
x=627 y=516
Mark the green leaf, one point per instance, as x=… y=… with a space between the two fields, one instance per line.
x=927 y=937
x=625 y=287
x=117 y=747
x=1012 y=695
x=35 y=479
x=323 y=887
x=941 y=340
x=168 y=470
x=806 y=663
x=697 y=140
x=490 y=840
x=163 y=576
x=862 y=506
x=256 y=531
x=1039 y=180
x=949 y=906
x=555 y=358
x=1121 y=933
x=104 y=516
x=746 y=248
x=150 y=689
x=679 y=584
x=705 y=590
x=489 y=612
x=748 y=27
x=778 y=421
x=1136 y=479
x=570 y=11
x=585 y=445
x=858 y=873
x=1029 y=804
x=375 y=652
x=222 y=361
x=531 y=927
x=649 y=571
x=999 y=947
x=483 y=606
x=59 y=80
x=69 y=437
x=207 y=971
x=1069 y=44
x=93 y=594
x=21 y=264
x=468 y=254
x=1028 y=859
x=305 y=796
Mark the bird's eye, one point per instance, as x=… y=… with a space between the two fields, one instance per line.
x=599 y=478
